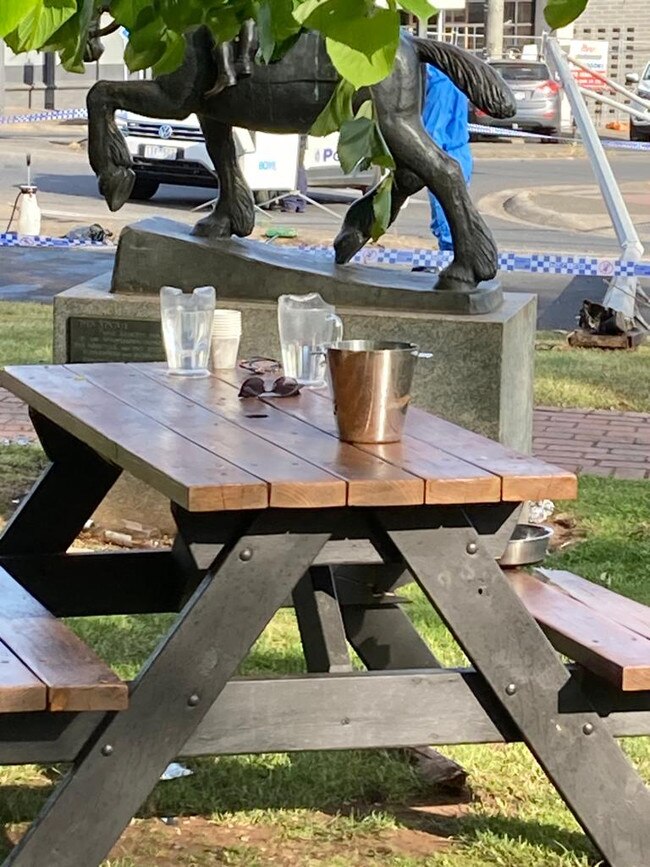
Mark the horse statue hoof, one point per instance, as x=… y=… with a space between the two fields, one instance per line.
x=116 y=187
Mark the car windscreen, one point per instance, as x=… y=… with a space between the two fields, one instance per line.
x=646 y=74
x=523 y=71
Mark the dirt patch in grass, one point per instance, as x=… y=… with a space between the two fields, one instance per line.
x=199 y=841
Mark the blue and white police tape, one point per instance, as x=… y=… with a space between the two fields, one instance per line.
x=41 y=116
x=534 y=263
x=13 y=239
x=476 y=128
x=511 y=132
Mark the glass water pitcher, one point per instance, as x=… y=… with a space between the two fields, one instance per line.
x=307 y=326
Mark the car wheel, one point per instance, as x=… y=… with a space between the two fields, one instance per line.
x=144 y=188
x=553 y=131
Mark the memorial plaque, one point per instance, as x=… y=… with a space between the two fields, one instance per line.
x=95 y=339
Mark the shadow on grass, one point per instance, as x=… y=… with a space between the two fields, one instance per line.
x=355 y=784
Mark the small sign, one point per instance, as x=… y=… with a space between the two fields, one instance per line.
x=593 y=53
x=93 y=339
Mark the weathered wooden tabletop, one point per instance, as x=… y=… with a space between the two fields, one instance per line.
x=198 y=443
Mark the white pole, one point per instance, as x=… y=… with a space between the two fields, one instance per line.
x=622 y=292
x=599 y=97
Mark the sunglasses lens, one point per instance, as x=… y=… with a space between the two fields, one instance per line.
x=252 y=387
x=285 y=386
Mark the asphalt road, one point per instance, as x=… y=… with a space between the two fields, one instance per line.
x=68 y=196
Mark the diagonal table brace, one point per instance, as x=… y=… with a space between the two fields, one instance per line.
x=128 y=751
x=580 y=757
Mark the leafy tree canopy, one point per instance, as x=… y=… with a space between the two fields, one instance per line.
x=361 y=35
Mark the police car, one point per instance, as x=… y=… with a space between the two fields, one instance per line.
x=174 y=152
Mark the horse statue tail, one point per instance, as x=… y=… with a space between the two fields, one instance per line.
x=481 y=84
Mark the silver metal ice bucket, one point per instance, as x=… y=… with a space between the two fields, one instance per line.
x=371 y=387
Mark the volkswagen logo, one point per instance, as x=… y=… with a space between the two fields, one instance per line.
x=165 y=131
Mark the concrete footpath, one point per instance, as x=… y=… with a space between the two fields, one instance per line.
x=594 y=442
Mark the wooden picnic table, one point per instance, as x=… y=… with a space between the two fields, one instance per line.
x=260 y=489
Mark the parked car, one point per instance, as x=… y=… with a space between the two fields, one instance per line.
x=537 y=93
x=640 y=130
x=174 y=152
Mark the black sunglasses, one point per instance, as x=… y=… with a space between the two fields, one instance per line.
x=284 y=386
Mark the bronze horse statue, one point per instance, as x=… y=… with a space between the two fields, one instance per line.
x=287 y=97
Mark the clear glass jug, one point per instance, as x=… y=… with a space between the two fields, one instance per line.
x=307 y=326
x=187 y=329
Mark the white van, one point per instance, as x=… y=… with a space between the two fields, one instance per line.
x=174 y=152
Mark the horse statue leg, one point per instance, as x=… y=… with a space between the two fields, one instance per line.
x=356 y=230
x=397 y=106
x=175 y=96
x=234 y=213
x=107 y=151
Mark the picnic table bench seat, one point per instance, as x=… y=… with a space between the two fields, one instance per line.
x=44 y=665
x=606 y=633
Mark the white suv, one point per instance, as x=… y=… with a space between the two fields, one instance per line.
x=174 y=152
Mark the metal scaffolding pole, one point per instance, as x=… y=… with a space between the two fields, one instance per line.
x=623 y=293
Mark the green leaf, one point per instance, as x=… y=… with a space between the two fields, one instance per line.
x=132 y=13
x=70 y=40
x=359 y=68
x=559 y=13
x=40 y=24
x=337 y=110
x=381 y=206
x=420 y=8
x=146 y=45
x=12 y=12
x=224 y=23
x=361 y=144
x=277 y=28
x=178 y=15
x=173 y=55
x=356 y=143
x=351 y=23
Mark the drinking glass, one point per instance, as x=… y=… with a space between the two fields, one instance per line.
x=187 y=329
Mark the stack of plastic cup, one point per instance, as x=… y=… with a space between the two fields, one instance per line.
x=226 y=335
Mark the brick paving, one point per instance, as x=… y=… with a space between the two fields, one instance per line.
x=596 y=442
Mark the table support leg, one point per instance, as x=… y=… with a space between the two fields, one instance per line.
x=319 y=620
x=580 y=757
x=63 y=499
x=128 y=751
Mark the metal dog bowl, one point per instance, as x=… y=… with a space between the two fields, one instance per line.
x=528 y=545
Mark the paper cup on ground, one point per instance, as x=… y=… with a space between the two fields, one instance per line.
x=226 y=336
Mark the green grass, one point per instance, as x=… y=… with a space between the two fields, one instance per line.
x=25 y=333
x=357 y=808
x=590 y=378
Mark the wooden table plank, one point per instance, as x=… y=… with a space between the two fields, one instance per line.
x=75 y=677
x=585 y=635
x=293 y=482
x=186 y=473
x=627 y=612
x=370 y=481
x=523 y=477
x=448 y=479
x=20 y=689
